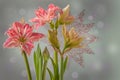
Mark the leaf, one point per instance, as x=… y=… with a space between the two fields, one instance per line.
x=40 y=67
x=65 y=63
x=50 y=73
x=54 y=65
x=38 y=62
x=38 y=50
x=34 y=56
x=36 y=65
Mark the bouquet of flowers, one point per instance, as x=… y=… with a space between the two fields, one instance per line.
x=73 y=31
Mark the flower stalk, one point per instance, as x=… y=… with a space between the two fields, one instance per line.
x=61 y=69
x=57 y=66
x=27 y=65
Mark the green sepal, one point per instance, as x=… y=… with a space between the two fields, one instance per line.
x=51 y=25
x=57 y=24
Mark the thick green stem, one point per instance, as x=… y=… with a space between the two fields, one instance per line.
x=44 y=70
x=62 y=68
x=57 y=68
x=27 y=65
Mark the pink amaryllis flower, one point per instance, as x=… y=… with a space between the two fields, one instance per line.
x=43 y=16
x=21 y=35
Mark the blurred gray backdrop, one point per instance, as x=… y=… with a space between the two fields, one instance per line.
x=104 y=65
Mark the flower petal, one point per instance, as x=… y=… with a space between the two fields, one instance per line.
x=40 y=12
x=38 y=22
x=18 y=27
x=27 y=30
x=27 y=47
x=36 y=36
x=10 y=43
x=11 y=33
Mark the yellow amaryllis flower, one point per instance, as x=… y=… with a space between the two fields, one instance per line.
x=64 y=17
x=71 y=38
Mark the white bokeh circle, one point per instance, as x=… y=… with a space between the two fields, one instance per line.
x=75 y=75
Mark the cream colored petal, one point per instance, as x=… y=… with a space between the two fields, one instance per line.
x=66 y=10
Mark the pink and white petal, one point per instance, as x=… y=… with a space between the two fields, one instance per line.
x=37 y=25
x=10 y=43
x=52 y=10
x=36 y=36
x=27 y=30
x=11 y=33
x=51 y=6
x=18 y=27
x=40 y=12
x=36 y=20
x=27 y=47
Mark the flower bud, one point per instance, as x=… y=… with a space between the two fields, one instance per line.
x=52 y=36
x=64 y=17
x=46 y=54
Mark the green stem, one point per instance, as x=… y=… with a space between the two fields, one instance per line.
x=57 y=68
x=27 y=65
x=44 y=70
x=62 y=69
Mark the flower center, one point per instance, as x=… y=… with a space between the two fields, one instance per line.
x=22 y=39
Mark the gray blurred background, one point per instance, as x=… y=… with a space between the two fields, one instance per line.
x=104 y=65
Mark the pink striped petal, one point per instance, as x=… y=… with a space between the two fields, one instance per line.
x=28 y=47
x=36 y=36
x=40 y=12
x=11 y=33
x=10 y=43
x=38 y=22
x=27 y=30
x=18 y=27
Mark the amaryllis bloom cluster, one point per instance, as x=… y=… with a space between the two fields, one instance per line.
x=43 y=16
x=21 y=35
x=72 y=39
